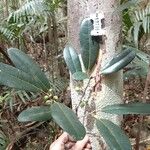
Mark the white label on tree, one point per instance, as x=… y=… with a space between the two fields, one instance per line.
x=97 y=24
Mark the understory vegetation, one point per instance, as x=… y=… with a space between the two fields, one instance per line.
x=35 y=60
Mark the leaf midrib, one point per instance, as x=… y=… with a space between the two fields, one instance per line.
x=22 y=80
x=122 y=108
x=28 y=68
x=67 y=118
x=39 y=113
x=110 y=132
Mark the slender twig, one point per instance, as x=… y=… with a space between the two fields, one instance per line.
x=77 y=107
x=91 y=77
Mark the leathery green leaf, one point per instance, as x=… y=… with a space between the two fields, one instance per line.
x=113 y=135
x=89 y=44
x=67 y=120
x=72 y=59
x=41 y=113
x=119 y=62
x=15 y=78
x=23 y=62
x=80 y=75
x=133 y=108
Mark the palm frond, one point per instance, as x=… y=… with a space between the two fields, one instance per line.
x=143 y=16
x=28 y=11
x=3 y=141
x=141 y=21
x=6 y=33
x=59 y=84
x=128 y=4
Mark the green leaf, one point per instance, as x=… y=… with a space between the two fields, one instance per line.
x=29 y=11
x=7 y=33
x=41 y=113
x=67 y=120
x=127 y=5
x=89 y=44
x=148 y=25
x=143 y=57
x=2 y=148
x=113 y=135
x=11 y=100
x=3 y=141
x=23 y=62
x=119 y=61
x=142 y=15
x=136 y=32
x=134 y=108
x=80 y=75
x=15 y=78
x=72 y=59
x=127 y=23
x=138 y=68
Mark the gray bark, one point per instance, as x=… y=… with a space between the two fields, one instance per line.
x=111 y=85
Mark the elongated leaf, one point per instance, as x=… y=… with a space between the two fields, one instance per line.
x=67 y=120
x=143 y=57
x=15 y=78
x=134 y=108
x=127 y=5
x=41 y=113
x=136 y=32
x=26 y=64
x=28 y=12
x=89 y=44
x=11 y=104
x=8 y=34
x=145 y=23
x=119 y=62
x=113 y=135
x=138 y=68
x=3 y=141
x=72 y=59
x=142 y=16
x=127 y=23
x=2 y=148
x=148 y=25
x=73 y=63
x=80 y=75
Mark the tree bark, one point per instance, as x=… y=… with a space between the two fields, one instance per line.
x=110 y=86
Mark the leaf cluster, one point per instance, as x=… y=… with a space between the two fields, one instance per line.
x=136 y=20
x=26 y=75
x=32 y=14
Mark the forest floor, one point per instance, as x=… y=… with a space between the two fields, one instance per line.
x=39 y=135
x=133 y=92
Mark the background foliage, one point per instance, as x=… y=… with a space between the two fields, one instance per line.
x=38 y=28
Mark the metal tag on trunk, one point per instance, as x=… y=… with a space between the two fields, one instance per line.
x=98 y=28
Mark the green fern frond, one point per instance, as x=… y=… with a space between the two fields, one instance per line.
x=143 y=16
x=59 y=84
x=28 y=11
x=141 y=22
x=3 y=140
x=6 y=33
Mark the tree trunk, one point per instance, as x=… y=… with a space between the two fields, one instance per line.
x=110 y=86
